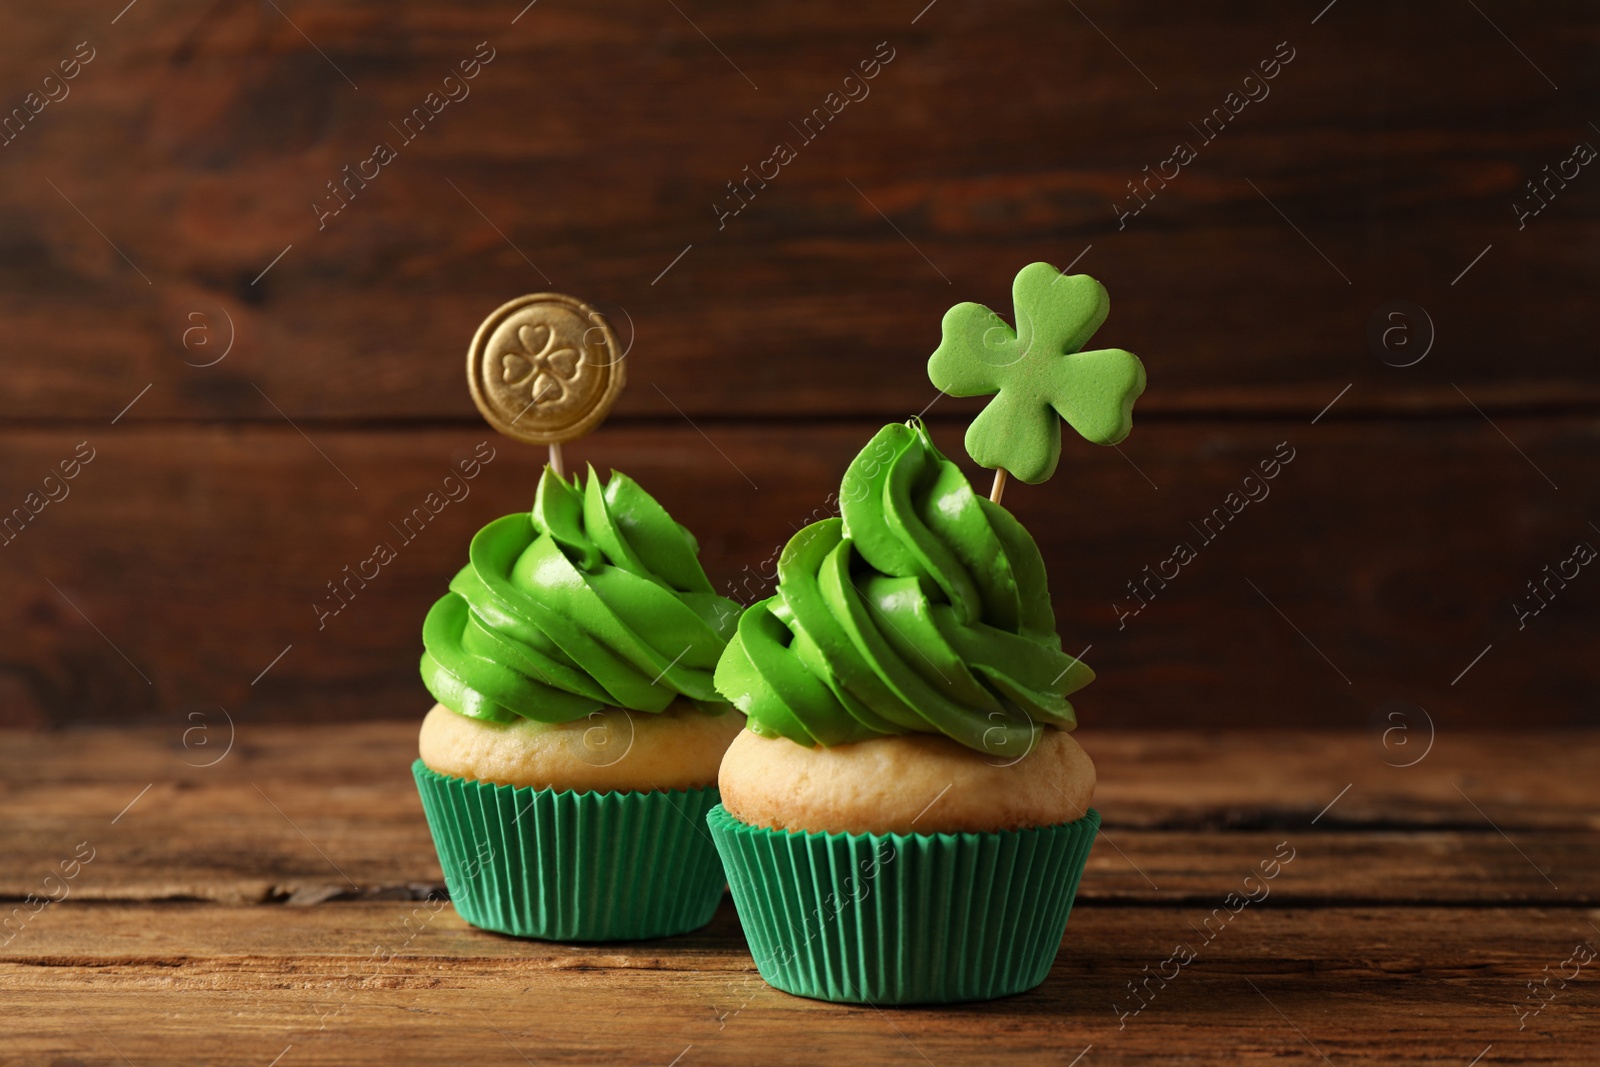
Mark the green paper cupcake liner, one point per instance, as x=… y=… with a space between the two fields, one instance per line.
x=566 y=866
x=903 y=918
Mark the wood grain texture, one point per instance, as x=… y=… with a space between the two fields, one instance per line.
x=200 y=553
x=168 y=201
x=287 y=815
x=193 y=984
x=263 y=890
x=590 y=152
x=1438 y=977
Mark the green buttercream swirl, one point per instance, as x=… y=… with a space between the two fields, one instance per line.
x=923 y=608
x=594 y=599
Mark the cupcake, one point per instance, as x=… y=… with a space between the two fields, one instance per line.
x=906 y=816
x=571 y=759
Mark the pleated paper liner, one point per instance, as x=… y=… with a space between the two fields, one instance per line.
x=903 y=918
x=566 y=866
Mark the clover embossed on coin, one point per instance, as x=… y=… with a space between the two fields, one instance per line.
x=545 y=368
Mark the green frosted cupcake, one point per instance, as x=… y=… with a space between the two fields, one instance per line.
x=906 y=817
x=906 y=814
x=568 y=766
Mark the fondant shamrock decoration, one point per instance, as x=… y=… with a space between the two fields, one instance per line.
x=1038 y=371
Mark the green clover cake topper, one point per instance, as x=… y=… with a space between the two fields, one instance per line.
x=1039 y=371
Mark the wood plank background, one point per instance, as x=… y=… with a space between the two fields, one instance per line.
x=171 y=190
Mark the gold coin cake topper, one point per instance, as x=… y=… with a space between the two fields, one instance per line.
x=544 y=369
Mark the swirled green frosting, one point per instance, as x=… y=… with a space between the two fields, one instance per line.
x=923 y=608
x=594 y=599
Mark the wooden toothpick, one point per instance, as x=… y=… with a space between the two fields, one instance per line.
x=999 y=487
x=555 y=460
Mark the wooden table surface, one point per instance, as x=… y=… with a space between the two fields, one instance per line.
x=283 y=906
